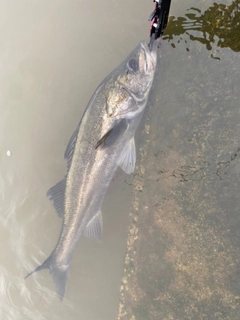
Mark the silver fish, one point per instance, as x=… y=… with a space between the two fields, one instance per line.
x=103 y=140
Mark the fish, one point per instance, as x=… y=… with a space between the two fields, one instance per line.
x=102 y=142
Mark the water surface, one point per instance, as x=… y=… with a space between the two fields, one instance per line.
x=53 y=56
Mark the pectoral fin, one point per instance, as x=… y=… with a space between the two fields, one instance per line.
x=128 y=158
x=113 y=134
x=102 y=141
x=94 y=227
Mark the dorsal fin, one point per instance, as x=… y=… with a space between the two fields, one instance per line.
x=70 y=147
x=56 y=195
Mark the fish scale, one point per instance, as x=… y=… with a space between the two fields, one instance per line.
x=103 y=140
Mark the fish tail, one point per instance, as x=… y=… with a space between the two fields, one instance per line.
x=59 y=274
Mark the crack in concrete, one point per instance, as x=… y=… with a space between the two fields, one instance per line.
x=197 y=172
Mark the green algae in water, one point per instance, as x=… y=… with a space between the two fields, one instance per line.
x=218 y=21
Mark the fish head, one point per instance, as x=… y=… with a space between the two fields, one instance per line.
x=138 y=70
x=135 y=77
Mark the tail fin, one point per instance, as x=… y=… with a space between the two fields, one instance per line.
x=60 y=275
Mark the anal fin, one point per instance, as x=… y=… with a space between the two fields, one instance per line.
x=94 y=227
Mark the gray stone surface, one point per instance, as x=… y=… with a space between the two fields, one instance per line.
x=183 y=256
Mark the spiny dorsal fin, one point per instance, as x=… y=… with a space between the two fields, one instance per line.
x=70 y=147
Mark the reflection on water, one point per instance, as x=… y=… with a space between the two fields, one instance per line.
x=219 y=24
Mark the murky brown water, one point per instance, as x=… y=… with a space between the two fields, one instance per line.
x=53 y=56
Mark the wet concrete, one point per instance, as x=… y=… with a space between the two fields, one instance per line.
x=183 y=256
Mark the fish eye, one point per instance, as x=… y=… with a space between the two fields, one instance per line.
x=133 y=64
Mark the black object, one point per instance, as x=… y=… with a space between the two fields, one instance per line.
x=159 y=19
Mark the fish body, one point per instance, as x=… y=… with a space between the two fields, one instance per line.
x=103 y=140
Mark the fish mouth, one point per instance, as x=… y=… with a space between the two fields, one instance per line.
x=150 y=57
